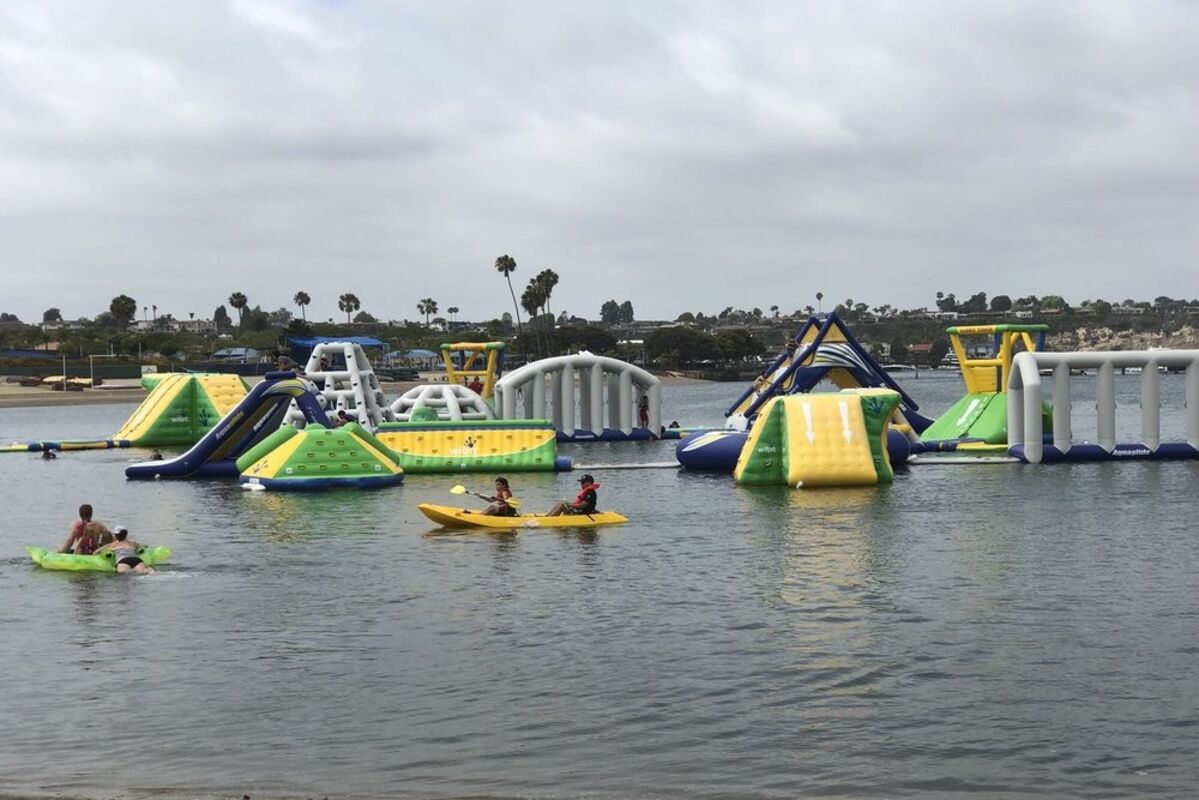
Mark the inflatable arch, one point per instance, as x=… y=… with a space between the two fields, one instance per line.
x=444 y=401
x=1026 y=415
x=580 y=415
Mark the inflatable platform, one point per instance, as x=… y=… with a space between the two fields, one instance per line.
x=320 y=458
x=482 y=446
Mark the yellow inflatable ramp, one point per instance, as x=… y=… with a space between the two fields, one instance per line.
x=180 y=409
x=811 y=440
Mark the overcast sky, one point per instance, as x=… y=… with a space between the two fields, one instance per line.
x=686 y=156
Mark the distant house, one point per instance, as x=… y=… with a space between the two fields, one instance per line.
x=65 y=325
x=192 y=325
x=920 y=349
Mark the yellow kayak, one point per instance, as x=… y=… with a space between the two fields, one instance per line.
x=450 y=517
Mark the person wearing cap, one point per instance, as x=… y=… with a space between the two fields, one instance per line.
x=584 y=502
x=125 y=552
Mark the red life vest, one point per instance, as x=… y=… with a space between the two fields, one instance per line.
x=580 y=497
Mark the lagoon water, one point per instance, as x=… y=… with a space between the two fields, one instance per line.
x=1000 y=630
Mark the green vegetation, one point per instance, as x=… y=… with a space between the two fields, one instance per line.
x=732 y=338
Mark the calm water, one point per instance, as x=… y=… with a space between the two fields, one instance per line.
x=1003 y=631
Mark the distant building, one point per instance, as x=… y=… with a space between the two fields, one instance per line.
x=192 y=325
x=65 y=325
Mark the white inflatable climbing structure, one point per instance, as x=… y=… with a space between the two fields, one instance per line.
x=440 y=401
x=346 y=382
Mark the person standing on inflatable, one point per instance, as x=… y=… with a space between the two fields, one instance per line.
x=584 y=502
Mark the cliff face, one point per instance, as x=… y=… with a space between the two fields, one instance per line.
x=1185 y=338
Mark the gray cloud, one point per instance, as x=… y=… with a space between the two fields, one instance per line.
x=687 y=156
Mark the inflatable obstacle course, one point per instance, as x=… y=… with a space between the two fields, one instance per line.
x=484 y=446
x=320 y=458
x=254 y=418
x=981 y=416
x=820 y=440
x=344 y=381
x=1026 y=435
x=824 y=349
x=181 y=408
x=591 y=398
x=468 y=361
x=443 y=401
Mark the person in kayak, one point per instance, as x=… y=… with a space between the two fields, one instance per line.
x=499 y=501
x=124 y=553
x=584 y=502
x=85 y=534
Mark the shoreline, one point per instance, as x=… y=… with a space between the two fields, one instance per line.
x=129 y=390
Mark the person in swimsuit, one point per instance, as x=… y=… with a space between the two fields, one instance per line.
x=124 y=553
x=499 y=501
x=85 y=535
x=584 y=503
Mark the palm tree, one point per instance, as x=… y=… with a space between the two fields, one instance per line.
x=154 y=312
x=532 y=300
x=349 y=304
x=774 y=310
x=506 y=265
x=819 y=297
x=428 y=306
x=547 y=279
x=123 y=308
x=302 y=299
x=238 y=301
x=452 y=311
